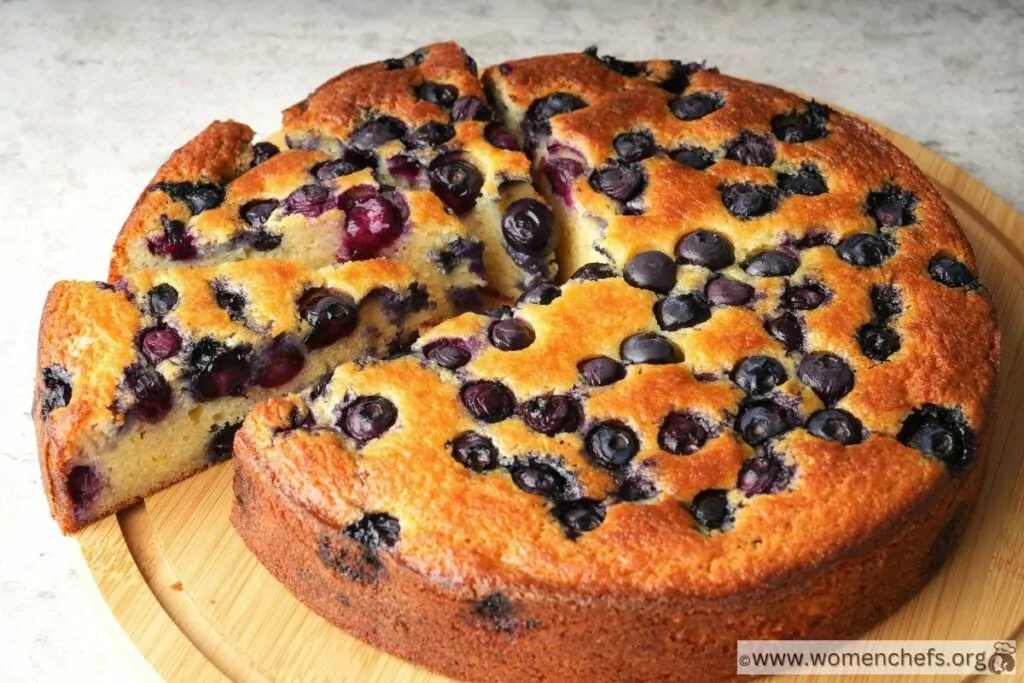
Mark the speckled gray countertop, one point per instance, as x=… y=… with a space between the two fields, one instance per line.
x=94 y=95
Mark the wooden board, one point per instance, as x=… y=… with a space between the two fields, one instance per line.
x=199 y=606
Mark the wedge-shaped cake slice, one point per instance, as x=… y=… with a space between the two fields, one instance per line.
x=144 y=383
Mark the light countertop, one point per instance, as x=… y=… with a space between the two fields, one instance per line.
x=95 y=95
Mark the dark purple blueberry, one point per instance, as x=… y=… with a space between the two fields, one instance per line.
x=375 y=133
x=257 y=212
x=456 y=181
x=763 y=474
x=612 y=445
x=539 y=479
x=471 y=109
x=682 y=433
x=372 y=223
x=405 y=168
x=230 y=300
x=368 y=417
x=152 y=393
x=747 y=200
x=634 y=146
x=636 y=488
x=541 y=295
x=723 y=291
x=770 y=264
x=280 y=362
x=448 y=353
x=814 y=237
x=399 y=305
x=176 y=242
x=499 y=136
x=711 y=509
x=827 y=375
x=627 y=69
x=864 y=250
x=470 y=63
x=621 y=182
x=84 y=485
x=878 y=341
x=950 y=272
x=459 y=250
x=562 y=172
x=528 y=225
x=220 y=372
x=833 y=424
x=758 y=375
x=682 y=310
x=651 y=270
x=941 y=433
x=760 y=420
x=786 y=329
x=795 y=127
x=327 y=171
x=696 y=105
x=648 y=347
x=262 y=151
x=601 y=371
x=222 y=443
x=696 y=158
x=159 y=343
x=804 y=297
x=430 y=134
x=393 y=64
x=750 y=149
x=198 y=197
x=544 y=108
x=374 y=531
x=807 y=181
x=679 y=77
x=886 y=301
x=475 y=452
x=162 y=300
x=56 y=391
x=488 y=401
x=705 y=248
x=441 y=94
x=891 y=207
x=511 y=334
x=551 y=414
x=332 y=316
x=593 y=271
x=577 y=517
x=309 y=200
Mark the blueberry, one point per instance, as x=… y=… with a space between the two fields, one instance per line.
x=770 y=264
x=262 y=151
x=648 y=347
x=634 y=146
x=232 y=301
x=864 y=250
x=328 y=171
x=758 y=374
x=561 y=173
x=220 y=372
x=471 y=109
x=332 y=316
x=763 y=474
x=941 y=433
x=257 y=212
x=593 y=271
x=535 y=122
x=527 y=226
x=56 y=391
x=488 y=401
x=309 y=200
x=682 y=433
x=651 y=270
x=430 y=134
x=878 y=341
x=222 y=443
x=579 y=516
x=475 y=452
x=627 y=69
x=679 y=76
x=441 y=94
x=705 y=248
x=198 y=197
x=760 y=420
x=682 y=310
x=621 y=182
x=750 y=149
x=159 y=343
x=807 y=181
x=601 y=371
x=539 y=479
x=551 y=414
x=84 y=485
x=377 y=132
x=711 y=508
x=886 y=302
x=511 y=334
x=891 y=207
x=636 y=488
x=176 y=242
x=152 y=393
x=375 y=530
x=372 y=222
x=456 y=181
x=540 y=295
x=162 y=299
x=796 y=127
x=696 y=105
x=747 y=200
x=499 y=136
x=405 y=168
x=827 y=375
x=448 y=353
x=805 y=297
x=280 y=362
x=723 y=291
x=950 y=272
x=612 y=445
x=696 y=158
x=368 y=417
x=786 y=329
x=833 y=424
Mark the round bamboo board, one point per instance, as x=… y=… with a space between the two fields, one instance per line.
x=199 y=607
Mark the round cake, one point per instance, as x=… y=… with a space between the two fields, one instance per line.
x=734 y=384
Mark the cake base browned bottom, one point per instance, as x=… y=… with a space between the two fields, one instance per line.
x=511 y=637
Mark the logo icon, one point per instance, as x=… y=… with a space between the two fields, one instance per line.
x=1002 y=660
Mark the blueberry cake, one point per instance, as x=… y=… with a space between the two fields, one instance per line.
x=754 y=406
